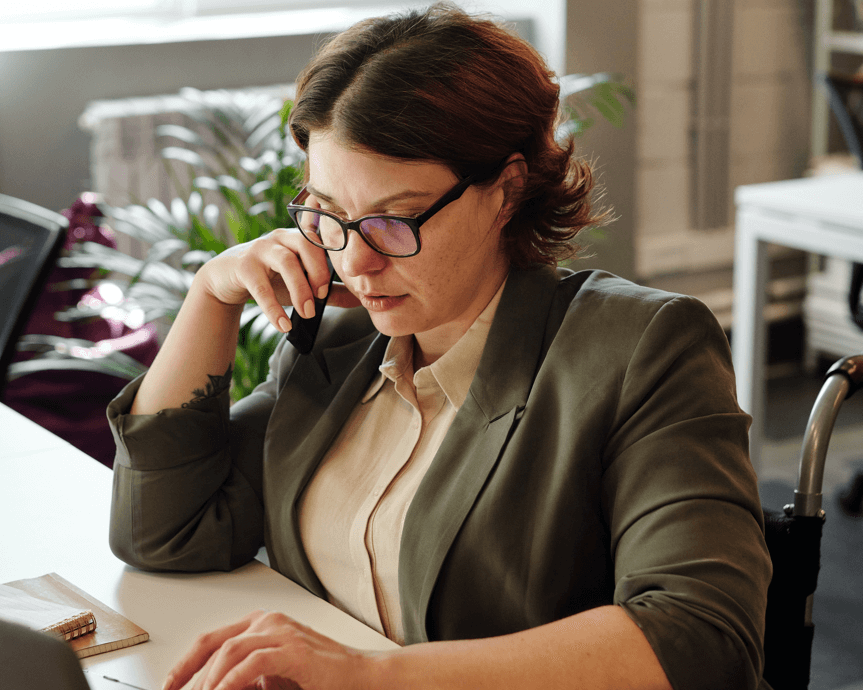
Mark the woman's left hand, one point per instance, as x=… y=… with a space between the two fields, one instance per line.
x=270 y=651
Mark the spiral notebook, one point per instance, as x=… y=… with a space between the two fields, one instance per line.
x=58 y=620
x=111 y=630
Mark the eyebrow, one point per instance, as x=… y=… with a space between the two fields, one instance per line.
x=380 y=203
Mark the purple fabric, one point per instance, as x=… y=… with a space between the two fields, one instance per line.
x=72 y=404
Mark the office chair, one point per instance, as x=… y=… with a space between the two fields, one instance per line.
x=30 y=241
x=845 y=92
x=794 y=539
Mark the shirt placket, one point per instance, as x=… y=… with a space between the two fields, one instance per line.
x=383 y=528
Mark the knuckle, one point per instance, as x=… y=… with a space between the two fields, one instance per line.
x=204 y=640
x=231 y=645
x=259 y=288
x=276 y=617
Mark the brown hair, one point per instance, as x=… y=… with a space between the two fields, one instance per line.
x=442 y=85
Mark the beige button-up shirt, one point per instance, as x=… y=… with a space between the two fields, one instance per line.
x=353 y=511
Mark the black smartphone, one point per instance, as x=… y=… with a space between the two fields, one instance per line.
x=304 y=331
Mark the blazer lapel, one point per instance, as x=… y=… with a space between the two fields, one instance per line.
x=303 y=425
x=475 y=440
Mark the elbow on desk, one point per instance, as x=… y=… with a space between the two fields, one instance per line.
x=198 y=545
x=169 y=555
x=121 y=548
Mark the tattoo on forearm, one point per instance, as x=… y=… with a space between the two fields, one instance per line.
x=215 y=386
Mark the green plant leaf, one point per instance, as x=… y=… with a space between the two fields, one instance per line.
x=264 y=132
x=58 y=353
x=196 y=257
x=178 y=153
x=94 y=255
x=181 y=214
x=184 y=134
x=100 y=366
x=165 y=248
x=260 y=187
x=263 y=115
x=603 y=92
x=139 y=222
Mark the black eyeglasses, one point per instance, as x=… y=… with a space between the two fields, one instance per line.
x=389 y=235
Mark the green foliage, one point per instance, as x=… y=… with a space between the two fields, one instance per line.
x=234 y=170
x=581 y=94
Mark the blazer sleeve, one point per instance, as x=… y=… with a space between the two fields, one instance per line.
x=681 y=501
x=187 y=491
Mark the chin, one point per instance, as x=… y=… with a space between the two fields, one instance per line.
x=393 y=326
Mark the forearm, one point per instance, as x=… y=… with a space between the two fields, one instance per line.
x=202 y=342
x=596 y=649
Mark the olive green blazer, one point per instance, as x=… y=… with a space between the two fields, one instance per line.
x=600 y=457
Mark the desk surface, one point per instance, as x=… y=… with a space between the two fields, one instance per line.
x=831 y=198
x=54 y=507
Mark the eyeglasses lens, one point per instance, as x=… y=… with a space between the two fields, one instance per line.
x=321 y=229
x=389 y=235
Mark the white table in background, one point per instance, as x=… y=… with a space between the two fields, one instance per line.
x=820 y=215
x=54 y=507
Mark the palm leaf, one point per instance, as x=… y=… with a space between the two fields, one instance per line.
x=73 y=354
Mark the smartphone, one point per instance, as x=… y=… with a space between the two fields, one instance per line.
x=304 y=331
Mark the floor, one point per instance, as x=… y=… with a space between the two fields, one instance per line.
x=837 y=655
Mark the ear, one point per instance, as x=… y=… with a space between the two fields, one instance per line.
x=511 y=182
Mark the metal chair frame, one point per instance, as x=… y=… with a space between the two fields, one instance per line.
x=789 y=610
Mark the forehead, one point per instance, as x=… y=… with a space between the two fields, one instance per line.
x=340 y=170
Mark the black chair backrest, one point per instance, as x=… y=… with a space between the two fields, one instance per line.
x=30 y=241
x=794 y=542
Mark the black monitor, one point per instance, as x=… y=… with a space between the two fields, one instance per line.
x=30 y=240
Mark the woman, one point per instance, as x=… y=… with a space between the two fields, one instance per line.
x=529 y=477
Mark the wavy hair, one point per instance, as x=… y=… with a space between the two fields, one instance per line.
x=442 y=85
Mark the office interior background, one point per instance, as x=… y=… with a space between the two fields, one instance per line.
x=725 y=97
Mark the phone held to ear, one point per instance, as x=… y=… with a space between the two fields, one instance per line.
x=304 y=331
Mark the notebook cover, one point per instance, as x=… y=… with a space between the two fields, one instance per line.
x=113 y=631
x=60 y=620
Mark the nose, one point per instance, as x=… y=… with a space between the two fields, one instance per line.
x=358 y=258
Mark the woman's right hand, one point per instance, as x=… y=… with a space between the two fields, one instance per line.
x=277 y=270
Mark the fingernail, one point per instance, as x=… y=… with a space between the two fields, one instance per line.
x=323 y=290
x=168 y=683
x=309 y=309
x=285 y=325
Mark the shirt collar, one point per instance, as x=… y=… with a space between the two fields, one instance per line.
x=453 y=371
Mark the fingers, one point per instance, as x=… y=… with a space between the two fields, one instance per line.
x=257 y=656
x=242 y=660
x=278 y=270
x=275 y=683
x=284 y=269
x=201 y=652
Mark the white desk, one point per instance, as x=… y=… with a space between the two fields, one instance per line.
x=54 y=507
x=821 y=215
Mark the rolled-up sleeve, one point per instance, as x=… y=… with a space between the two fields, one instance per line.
x=691 y=564
x=187 y=489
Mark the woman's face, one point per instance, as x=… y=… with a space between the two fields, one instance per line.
x=437 y=294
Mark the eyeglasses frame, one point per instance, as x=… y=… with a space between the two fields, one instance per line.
x=413 y=223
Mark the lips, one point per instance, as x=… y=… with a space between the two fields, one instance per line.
x=380 y=303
